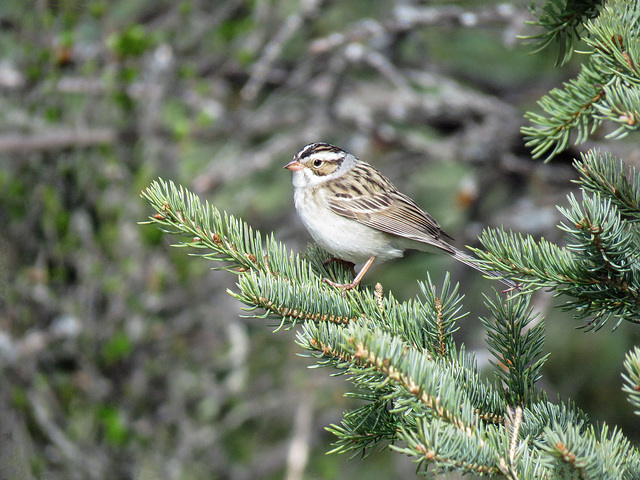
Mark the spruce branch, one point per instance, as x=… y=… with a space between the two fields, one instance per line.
x=607 y=177
x=607 y=247
x=441 y=314
x=620 y=105
x=613 y=35
x=365 y=428
x=533 y=263
x=567 y=109
x=419 y=381
x=422 y=394
x=599 y=269
x=576 y=453
x=597 y=233
x=516 y=343
x=632 y=378
x=514 y=424
x=293 y=301
x=542 y=414
x=440 y=446
x=606 y=88
x=408 y=383
x=563 y=24
x=455 y=432
x=226 y=238
x=271 y=278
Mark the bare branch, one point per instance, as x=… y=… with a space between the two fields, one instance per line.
x=57 y=140
x=308 y=10
x=407 y=17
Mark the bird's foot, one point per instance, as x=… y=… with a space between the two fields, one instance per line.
x=342 y=286
x=356 y=281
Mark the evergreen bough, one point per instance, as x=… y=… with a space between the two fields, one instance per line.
x=599 y=268
x=607 y=87
x=423 y=393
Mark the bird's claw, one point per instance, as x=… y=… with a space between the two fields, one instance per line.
x=342 y=286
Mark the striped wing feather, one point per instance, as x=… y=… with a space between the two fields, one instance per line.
x=376 y=203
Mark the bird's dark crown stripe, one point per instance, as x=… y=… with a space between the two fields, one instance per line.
x=317 y=148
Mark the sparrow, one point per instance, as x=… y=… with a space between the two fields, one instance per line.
x=357 y=215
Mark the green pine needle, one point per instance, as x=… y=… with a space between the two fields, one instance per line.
x=599 y=268
x=632 y=378
x=608 y=85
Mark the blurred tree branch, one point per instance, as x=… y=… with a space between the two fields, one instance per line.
x=57 y=140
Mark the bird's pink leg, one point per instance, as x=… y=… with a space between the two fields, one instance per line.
x=356 y=281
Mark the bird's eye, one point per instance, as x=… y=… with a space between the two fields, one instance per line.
x=317 y=163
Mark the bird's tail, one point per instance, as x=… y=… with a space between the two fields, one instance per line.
x=474 y=263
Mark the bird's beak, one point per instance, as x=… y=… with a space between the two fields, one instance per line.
x=294 y=165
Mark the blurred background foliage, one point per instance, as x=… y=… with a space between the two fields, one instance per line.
x=123 y=358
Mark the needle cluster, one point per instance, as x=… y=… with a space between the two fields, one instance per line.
x=422 y=394
x=598 y=270
x=607 y=88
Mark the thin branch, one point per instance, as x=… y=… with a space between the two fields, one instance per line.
x=408 y=17
x=261 y=69
x=57 y=140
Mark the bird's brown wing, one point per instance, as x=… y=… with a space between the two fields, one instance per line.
x=391 y=212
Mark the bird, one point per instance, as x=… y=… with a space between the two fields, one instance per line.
x=358 y=216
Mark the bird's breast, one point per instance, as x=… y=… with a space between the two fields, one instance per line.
x=342 y=237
